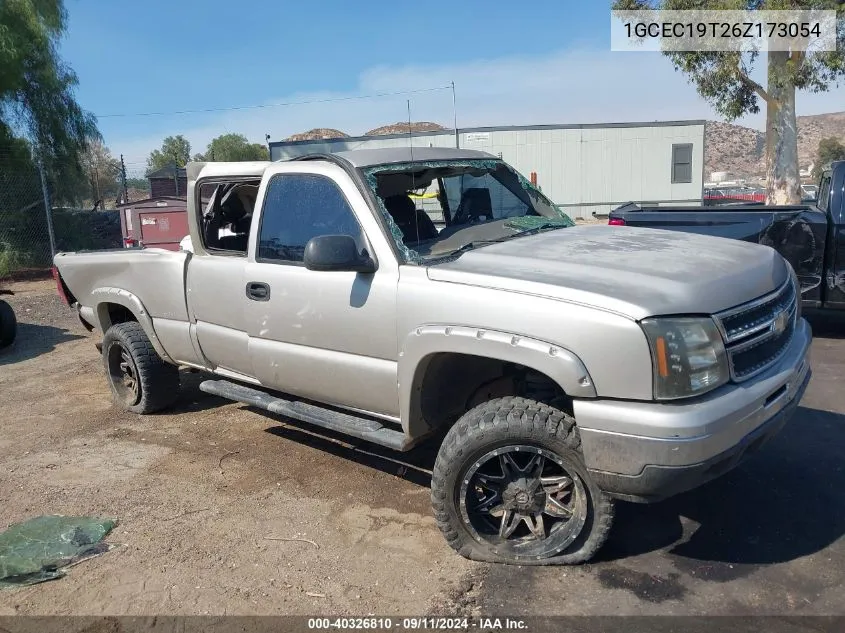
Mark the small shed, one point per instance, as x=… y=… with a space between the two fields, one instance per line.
x=169 y=181
x=157 y=222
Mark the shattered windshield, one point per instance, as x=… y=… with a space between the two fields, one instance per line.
x=438 y=209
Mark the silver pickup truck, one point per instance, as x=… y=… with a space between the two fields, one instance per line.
x=559 y=367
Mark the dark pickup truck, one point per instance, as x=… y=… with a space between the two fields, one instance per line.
x=810 y=237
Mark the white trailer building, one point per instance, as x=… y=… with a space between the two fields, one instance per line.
x=587 y=169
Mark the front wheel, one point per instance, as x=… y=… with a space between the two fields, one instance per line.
x=140 y=380
x=510 y=486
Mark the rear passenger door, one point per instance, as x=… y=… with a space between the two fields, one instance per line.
x=326 y=336
x=215 y=277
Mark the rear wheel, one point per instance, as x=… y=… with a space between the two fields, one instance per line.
x=8 y=325
x=140 y=380
x=510 y=485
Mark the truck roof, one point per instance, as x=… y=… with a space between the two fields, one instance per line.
x=391 y=155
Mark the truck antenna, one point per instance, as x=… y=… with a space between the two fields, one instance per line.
x=413 y=187
x=455 y=116
x=410 y=134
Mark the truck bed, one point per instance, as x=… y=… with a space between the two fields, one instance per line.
x=748 y=222
x=155 y=276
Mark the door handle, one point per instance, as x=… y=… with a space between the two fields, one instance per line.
x=258 y=291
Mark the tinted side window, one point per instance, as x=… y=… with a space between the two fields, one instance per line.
x=298 y=207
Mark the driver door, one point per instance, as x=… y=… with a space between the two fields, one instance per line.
x=329 y=336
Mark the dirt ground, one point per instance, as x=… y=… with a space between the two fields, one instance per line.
x=211 y=497
x=201 y=493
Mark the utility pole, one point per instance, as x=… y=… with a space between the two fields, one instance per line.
x=125 y=196
x=455 y=115
x=97 y=183
x=48 y=206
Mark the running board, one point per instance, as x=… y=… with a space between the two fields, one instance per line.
x=362 y=428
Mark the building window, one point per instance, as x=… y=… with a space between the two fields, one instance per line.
x=681 y=163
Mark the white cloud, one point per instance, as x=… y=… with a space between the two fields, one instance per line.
x=576 y=86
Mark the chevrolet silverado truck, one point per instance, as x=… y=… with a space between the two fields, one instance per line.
x=811 y=237
x=559 y=367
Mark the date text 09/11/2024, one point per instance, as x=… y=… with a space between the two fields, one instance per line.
x=420 y=623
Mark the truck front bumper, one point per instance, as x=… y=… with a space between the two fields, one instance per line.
x=649 y=451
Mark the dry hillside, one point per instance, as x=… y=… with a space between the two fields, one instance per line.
x=318 y=133
x=741 y=150
x=321 y=133
x=402 y=128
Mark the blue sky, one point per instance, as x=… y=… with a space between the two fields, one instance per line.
x=512 y=63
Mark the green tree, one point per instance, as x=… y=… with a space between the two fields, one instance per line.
x=830 y=149
x=724 y=80
x=174 y=150
x=20 y=186
x=233 y=147
x=102 y=171
x=138 y=183
x=37 y=89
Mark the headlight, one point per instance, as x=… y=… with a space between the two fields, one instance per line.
x=688 y=356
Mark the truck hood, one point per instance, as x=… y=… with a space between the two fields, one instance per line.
x=631 y=271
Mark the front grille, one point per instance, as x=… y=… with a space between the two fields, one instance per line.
x=757 y=333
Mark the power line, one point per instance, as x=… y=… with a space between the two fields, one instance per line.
x=276 y=105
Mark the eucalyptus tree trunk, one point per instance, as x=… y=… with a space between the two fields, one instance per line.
x=783 y=184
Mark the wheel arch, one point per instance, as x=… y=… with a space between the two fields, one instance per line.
x=115 y=305
x=443 y=364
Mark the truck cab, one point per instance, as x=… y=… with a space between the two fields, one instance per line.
x=277 y=315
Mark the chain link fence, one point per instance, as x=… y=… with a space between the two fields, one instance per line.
x=25 y=243
x=24 y=235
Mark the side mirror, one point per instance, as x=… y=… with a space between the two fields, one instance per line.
x=336 y=252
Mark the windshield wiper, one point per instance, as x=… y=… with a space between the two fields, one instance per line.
x=537 y=226
x=475 y=244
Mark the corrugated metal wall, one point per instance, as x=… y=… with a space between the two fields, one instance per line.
x=587 y=169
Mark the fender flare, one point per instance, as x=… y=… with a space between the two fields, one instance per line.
x=107 y=294
x=555 y=361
